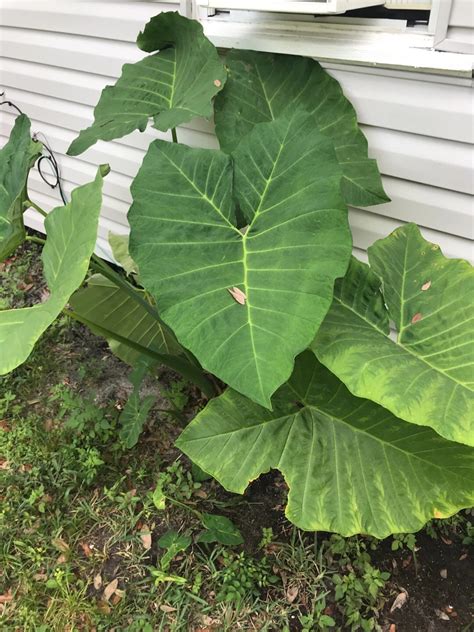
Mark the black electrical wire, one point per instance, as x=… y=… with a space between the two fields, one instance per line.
x=9 y=103
x=50 y=158
x=47 y=157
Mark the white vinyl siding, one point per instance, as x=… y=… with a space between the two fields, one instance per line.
x=54 y=63
x=459 y=35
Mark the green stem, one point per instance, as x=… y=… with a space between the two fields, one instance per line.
x=36 y=240
x=37 y=208
x=187 y=370
x=174 y=136
x=118 y=280
x=178 y=503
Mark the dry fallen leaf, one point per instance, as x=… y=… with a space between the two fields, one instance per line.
x=87 y=550
x=62 y=559
x=8 y=596
x=444 y=573
x=441 y=615
x=165 y=608
x=237 y=295
x=60 y=544
x=145 y=537
x=110 y=589
x=40 y=577
x=291 y=594
x=117 y=596
x=103 y=607
x=98 y=581
x=463 y=557
x=393 y=628
x=399 y=601
x=446 y=540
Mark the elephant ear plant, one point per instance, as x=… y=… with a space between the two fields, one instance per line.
x=354 y=380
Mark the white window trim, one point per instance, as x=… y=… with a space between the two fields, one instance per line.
x=370 y=43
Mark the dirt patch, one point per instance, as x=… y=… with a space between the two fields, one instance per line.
x=439 y=585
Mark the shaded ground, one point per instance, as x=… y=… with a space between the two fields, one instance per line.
x=77 y=516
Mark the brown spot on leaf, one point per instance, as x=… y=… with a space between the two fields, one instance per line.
x=217 y=83
x=416 y=318
x=426 y=286
x=237 y=295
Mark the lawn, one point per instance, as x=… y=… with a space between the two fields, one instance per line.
x=97 y=537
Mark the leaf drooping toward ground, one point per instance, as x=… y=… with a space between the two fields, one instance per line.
x=16 y=159
x=426 y=376
x=351 y=466
x=112 y=309
x=172 y=86
x=71 y=236
x=263 y=86
x=190 y=251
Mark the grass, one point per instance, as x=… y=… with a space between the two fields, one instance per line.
x=97 y=537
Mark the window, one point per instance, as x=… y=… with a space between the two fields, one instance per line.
x=396 y=34
x=292 y=6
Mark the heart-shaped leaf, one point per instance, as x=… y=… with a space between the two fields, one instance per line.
x=135 y=412
x=16 y=159
x=351 y=466
x=262 y=86
x=71 y=237
x=172 y=86
x=220 y=529
x=185 y=240
x=174 y=543
x=426 y=375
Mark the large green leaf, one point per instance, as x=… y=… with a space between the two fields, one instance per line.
x=351 y=466
x=111 y=308
x=172 y=86
x=426 y=375
x=262 y=86
x=16 y=158
x=190 y=253
x=71 y=237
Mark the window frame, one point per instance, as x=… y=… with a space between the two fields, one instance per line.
x=362 y=42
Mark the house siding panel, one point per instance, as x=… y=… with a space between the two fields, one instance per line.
x=54 y=63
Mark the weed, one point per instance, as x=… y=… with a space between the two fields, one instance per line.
x=404 y=540
x=241 y=576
